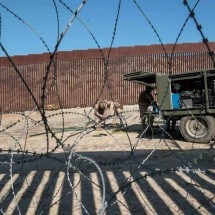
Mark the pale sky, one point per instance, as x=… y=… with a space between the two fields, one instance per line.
x=167 y=17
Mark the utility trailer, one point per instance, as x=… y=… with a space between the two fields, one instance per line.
x=188 y=97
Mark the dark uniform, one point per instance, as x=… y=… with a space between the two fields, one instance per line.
x=145 y=99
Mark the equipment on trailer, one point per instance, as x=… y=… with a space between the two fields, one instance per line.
x=188 y=97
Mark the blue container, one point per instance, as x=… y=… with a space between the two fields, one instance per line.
x=176 y=101
x=156 y=109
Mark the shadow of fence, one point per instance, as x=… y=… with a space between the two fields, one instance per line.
x=42 y=185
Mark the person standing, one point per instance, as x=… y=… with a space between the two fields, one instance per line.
x=117 y=112
x=145 y=99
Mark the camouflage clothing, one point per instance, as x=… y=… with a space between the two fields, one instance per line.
x=145 y=99
x=100 y=113
x=117 y=111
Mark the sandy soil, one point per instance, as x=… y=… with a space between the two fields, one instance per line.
x=74 y=169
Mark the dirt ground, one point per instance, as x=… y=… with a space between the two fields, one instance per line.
x=70 y=168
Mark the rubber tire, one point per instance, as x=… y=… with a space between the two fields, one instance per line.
x=209 y=122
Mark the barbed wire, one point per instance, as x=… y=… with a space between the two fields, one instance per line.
x=21 y=151
x=199 y=28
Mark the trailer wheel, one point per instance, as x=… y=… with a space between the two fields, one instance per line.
x=200 y=129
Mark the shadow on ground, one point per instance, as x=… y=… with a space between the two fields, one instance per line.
x=43 y=185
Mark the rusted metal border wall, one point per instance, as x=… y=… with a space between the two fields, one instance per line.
x=14 y=95
x=79 y=82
